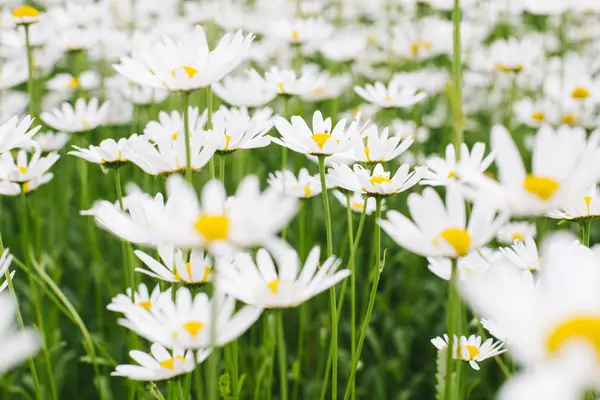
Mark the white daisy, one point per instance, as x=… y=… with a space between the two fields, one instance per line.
x=122 y=303
x=49 y=141
x=16 y=345
x=468 y=267
x=379 y=147
x=449 y=170
x=515 y=231
x=586 y=207
x=285 y=82
x=299 y=30
x=393 y=95
x=87 y=80
x=174 y=268
x=109 y=153
x=82 y=118
x=523 y=254
x=304 y=186
x=358 y=202
x=470 y=349
x=242 y=92
x=5 y=261
x=24 y=169
x=25 y=15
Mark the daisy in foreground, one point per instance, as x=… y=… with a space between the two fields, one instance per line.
x=288 y=285
x=160 y=364
x=470 y=349
x=174 y=268
x=14 y=134
x=186 y=322
x=378 y=183
x=552 y=328
x=442 y=230
x=141 y=298
x=249 y=218
x=15 y=345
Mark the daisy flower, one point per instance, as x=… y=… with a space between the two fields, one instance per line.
x=249 y=218
x=358 y=202
x=449 y=170
x=285 y=82
x=17 y=345
x=241 y=92
x=122 y=303
x=442 y=230
x=379 y=147
x=13 y=73
x=515 y=231
x=160 y=364
x=523 y=254
x=188 y=64
x=468 y=267
x=66 y=82
x=333 y=87
x=25 y=15
x=564 y=166
x=470 y=349
x=49 y=142
x=376 y=183
x=393 y=95
x=174 y=268
x=109 y=153
x=186 y=322
x=23 y=169
x=584 y=208
x=300 y=30
x=15 y=134
x=304 y=186
x=288 y=285
x=171 y=126
x=84 y=117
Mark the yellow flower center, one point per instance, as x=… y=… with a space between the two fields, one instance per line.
x=587 y=200
x=73 y=83
x=585 y=328
x=358 y=206
x=459 y=239
x=417 y=46
x=295 y=36
x=281 y=89
x=388 y=98
x=193 y=327
x=191 y=71
x=174 y=135
x=169 y=363
x=321 y=138
x=473 y=352
x=227 y=140
x=23 y=170
x=26 y=187
x=212 y=227
x=541 y=186
x=569 y=119
x=518 y=237
x=25 y=11
x=307 y=191
x=451 y=174
x=508 y=69
x=206 y=274
x=368 y=153
x=538 y=116
x=580 y=93
x=379 y=179
x=145 y=304
x=273 y=285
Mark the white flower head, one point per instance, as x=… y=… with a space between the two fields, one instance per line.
x=286 y=82
x=394 y=95
x=523 y=254
x=584 y=208
x=174 y=268
x=242 y=92
x=449 y=170
x=109 y=153
x=358 y=202
x=470 y=349
x=84 y=117
x=233 y=129
x=122 y=303
x=468 y=267
x=16 y=345
x=378 y=146
x=515 y=231
x=304 y=186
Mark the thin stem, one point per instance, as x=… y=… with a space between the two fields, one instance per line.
x=586 y=229
x=126 y=246
x=235 y=370
x=286 y=115
x=352 y=287
x=332 y=294
x=222 y=169
x=30 y=81
x=373 y=295
x=457 y=76
x=452 y=298
x=282 y=356
x=186 y=128
x=209 y=106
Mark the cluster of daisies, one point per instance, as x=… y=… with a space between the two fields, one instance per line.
x=524 y=89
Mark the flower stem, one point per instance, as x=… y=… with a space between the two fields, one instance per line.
x=126 y=246
x=332 y=294
x=451 y=328
x=282 y=356
x=209 y=105
x=186 y=128
x=586 y=229
x=30 y=82
x=222 y=169
x=373 y=295
x=286 y=115
x=457 y=76
x=352 y=287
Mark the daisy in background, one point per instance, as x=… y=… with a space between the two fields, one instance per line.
x=186 y=321
x=160 y=364
x=470 y=349
x=584 y=208
x=358 y=202
x=242 y=92
x=299 y=30
x=565 y=164
x=304 y=186
x=378 y=147
x=406 y=129
x=121 y=303
x=512 y=232
x=428 y=80
x=84 y=117
x=29 y=173
x=289 y=284
x=174 y=268
x=188 y=64
x=66 y=82
x=523 y=254
x=551 y=327
x=449 y=170
x=13 y=73
x=25 y=15
x=333 y=87
x=213 y=222
x=109 y=154
x=17 y=345
x=442 y=230
x=376 y=183
x=394 y=95
x=468 y=267
x=511 y=56
x=344 y=46
x=170 y=125
x=49 y=142
x=536 y=113
x=286 y=82
x=233 y=129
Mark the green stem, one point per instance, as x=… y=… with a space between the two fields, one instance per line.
x=352 y=287
x=30 y=81
x=457 y=76
x=282 y=356
x=286 y=115
x=126 y=246
x=222 y=169
x=198 y=383
x=235 y=370
x=586 y=229
x=186 y=128
x=209 y=106
x=373 y=295
x=332 y=294
x=451 y=330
